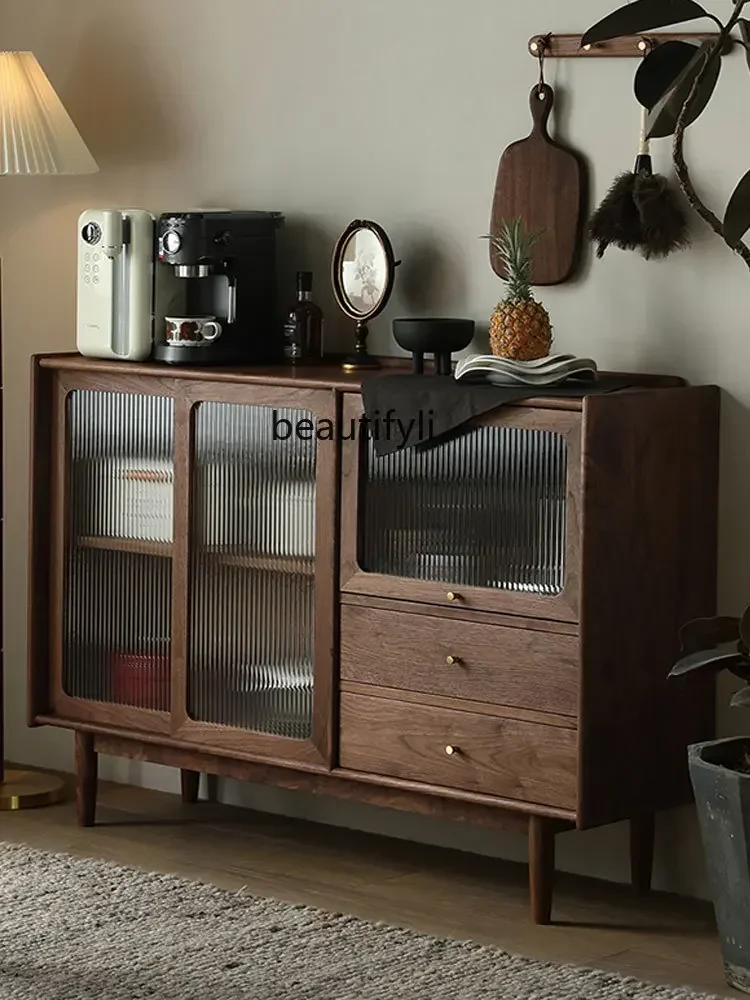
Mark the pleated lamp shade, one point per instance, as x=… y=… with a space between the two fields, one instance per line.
x=37 y=135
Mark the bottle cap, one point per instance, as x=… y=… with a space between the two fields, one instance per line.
x=304 y=281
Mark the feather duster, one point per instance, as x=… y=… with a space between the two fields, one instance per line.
x=641 y=211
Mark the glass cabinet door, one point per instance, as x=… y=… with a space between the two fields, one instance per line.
x=250 y=647
x=116 y=591
x=485 y=517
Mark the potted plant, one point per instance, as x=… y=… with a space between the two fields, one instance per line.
x=720 y=772
x=676 y=82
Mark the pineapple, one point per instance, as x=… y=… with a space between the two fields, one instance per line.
x=520 y=326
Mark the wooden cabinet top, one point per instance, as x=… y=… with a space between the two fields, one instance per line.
x=328 y=375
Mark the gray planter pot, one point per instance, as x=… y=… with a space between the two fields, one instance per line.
x=723 y=800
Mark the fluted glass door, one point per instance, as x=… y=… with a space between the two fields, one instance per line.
x=117 y=580
x=486 y=508
x=252 y=571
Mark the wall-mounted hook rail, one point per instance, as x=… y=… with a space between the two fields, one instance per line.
x=629 y=46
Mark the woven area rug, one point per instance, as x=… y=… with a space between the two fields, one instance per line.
x=74 y=929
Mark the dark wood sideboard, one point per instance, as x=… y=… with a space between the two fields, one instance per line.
x=478 y=631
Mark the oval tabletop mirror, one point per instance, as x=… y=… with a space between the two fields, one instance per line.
x=364 y=269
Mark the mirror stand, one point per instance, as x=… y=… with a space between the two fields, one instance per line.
x=363 y=271
x=360 y=360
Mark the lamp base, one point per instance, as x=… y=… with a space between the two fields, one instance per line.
x=29 y=790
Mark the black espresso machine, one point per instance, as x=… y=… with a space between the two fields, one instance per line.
x=216 y=288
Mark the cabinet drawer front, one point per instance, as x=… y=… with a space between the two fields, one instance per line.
x=457 y=659
x=513 y=760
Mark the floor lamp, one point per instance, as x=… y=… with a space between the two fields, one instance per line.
x=37 y=137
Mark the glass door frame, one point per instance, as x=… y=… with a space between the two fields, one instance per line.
x=64 y=705
x=318 y=751
x=564 y=607
x=314 y=754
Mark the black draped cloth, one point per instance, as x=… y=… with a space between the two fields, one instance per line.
x=406 y=411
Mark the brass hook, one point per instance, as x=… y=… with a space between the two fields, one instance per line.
x=539 y=47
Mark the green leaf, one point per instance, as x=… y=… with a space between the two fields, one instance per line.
x=708 y=633
x=725 y=656
x=736 y=224
x=643 y=15
x=660 y=71
x=662 y=121
x=745 y=32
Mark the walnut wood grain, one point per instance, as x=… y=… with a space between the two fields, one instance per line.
x=493 y=756
x=627 y=46
x=641 y=560
x=86 y=761
x=564 y=607
x=190 y=784
x=322 y=405
x=649 y=566
x=541 y=869
x=452 y=613
x=141 y=720
x=58 y=520
x=40 y=544
x=138 y=546
x=325 y=376
x=339 y=784
x=502 y=666
x=546 y=186
x=461 y=705
x=183 y=450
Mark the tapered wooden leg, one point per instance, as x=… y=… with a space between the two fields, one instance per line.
x=212 y=780
x=541 y=868
x=191 y=782
x=642 y=837
x=87 y=766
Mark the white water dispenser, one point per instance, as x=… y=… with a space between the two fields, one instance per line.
x=115 y=284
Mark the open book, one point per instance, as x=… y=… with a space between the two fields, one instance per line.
x=547 y=371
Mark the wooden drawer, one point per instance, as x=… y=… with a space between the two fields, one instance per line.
x=513 y=760
x=499 y=666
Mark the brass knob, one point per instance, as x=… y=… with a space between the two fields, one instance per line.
x=454 y=597
x=452 y=751
x=453 y=661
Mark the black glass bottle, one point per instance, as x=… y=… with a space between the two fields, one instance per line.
x=303 y=330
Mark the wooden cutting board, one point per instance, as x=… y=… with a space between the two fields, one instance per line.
x=544 y=184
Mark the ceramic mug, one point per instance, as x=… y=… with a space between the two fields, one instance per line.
x=192 y=331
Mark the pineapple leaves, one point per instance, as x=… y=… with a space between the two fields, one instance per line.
x=514 y=249
x=736 y=224
x=664 y=115
x=643 y=15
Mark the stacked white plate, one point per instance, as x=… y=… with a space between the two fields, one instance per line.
x=547 y=371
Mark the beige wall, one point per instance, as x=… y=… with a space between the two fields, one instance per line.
x=396 y=110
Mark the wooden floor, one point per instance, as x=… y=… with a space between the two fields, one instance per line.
x=662 y=938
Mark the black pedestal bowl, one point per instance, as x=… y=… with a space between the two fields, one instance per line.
x=441 y=337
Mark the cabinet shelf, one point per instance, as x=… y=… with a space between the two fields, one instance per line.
x=292 y=565
x=138 y=546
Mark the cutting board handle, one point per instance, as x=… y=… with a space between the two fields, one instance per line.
x=542 y=101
